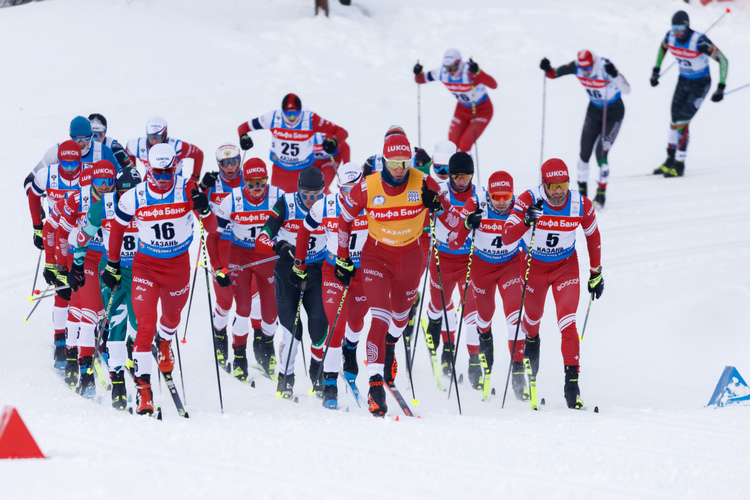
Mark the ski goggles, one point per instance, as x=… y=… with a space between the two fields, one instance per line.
x=81 y=139
x=226 y=162
x=102 y=182
x=461 y=177
x=159 y=138
x=291 y=114
x=99 y=136
x=346 y=188
x=396 y=164
x=501 y=196
x=440 y=169
x=310 y=195
x=452 y=68
x=553 y=186
x=256 y=183
x=679 y=27
x=69 y=165
x=585 y=68
x=163 y=174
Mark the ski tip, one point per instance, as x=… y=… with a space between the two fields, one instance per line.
x=397 y=419
x=492 y=391
x=183 y=341
x=278 y=395
x=461 y=378
x=311 y=391
x=415 y=402
x=596 y=409
x=187 y=415
x=252 y=383
x=542 y=401
x=346 y=409
x=296 y=399
x=130 y=410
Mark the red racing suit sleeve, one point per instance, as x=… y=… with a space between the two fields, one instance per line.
x=35 y=207
x=353 y=204
x=463 y=233
x=514 y=227
x=330 y=129
x=591 y=230
x=115 y=240
x=195 y=154
x=483 y=78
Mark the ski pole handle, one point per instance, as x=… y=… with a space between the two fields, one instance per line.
x=251 y=264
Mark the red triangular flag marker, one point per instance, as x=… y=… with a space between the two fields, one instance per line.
x=15 y=438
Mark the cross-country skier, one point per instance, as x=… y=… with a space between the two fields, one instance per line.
x=392 y=258
x=247 y=209
x=603 y=84
x=468 y=84
x=293 y=144
x=99 y=131
x=163 y=208
x=692 y=51
x=284 y=223
x=556 y=211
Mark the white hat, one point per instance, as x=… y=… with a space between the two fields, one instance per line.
x=443 y=152
x=451 y=56
x=349 y=172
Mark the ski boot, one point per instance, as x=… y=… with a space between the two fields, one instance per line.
x=475 y=372
x=87 y=386
x=239 y=364
x=129 y=363
x=349 y=353
x=257 y=335
x=664 y=167
x=119 y=392
x=165 y=356
x=376 y=400
x=572 y=392
x=330 y=391
x=676 y=170
x=487 y=347
x=60 y=356
x=446 y=359
x=600 y=197
x=285 y=387
x=267 y=355
x=391 y=364
x=433 y=332
x=144 y=397
x=317 y=386
x=71 y=368
x=519 y=381
x=531 y=351
x=583 y=188
x=222 y=348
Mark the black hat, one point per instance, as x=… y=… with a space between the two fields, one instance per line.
x=461 y=163
x=681 y=18
x=311 y=179
x=127 y=178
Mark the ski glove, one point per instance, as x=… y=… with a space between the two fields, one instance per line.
x=38 y=237
x=209 y=180
x=655 y=77
x=50 y=274
x=299 y=274
x=596 y=284
x=62 y=280
x=418 y=69
x=222 y=279
x=330 y=145
x=344 y=270
x=284 y=249
x=111 y=275
x=245 y=142
x=473 y=220
x=610 y=69
x=533 y=213
x=473 y=67
x=200 y=202
x=545 y=65
x=719 y=94
x=76 y=277
x=431 y=199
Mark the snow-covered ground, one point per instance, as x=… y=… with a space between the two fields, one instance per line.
x=675 y=252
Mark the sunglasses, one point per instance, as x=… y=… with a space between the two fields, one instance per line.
x=102 y=182
x=82 y=139
x=440 y=169
x=554 y=185
x=163 y=174
x=69 y=165
x=452 y=68
x=256 y=183
x=156 y=137
x=394 y=164
x=292 y=115
x=585 y=68
x=99 y=135
x=461 y=177
x=345 y=188
x=679 y=27
x=314 y=195
x=501 y=196
x=225 y=162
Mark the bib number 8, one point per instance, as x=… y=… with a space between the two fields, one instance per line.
x=128 y=242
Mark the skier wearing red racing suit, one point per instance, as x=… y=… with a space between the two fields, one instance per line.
x=391 y=262
x=556 y=211
x=163 y=208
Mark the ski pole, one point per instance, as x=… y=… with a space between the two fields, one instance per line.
x=418 y=318
x=330 y=336
x=463 y=302
x=544 y=107
x=190 y=302
x=47 y=292
x=210 y=315
x=520 y=311
x=587 y=317
x=26 y=319
x=419 y=114
x=36 y=273
x=445 y=312
x=474 y=125
x=604 y=113
x=738 y=88
x=224 y=270
x=707 y=30
x=294 y=332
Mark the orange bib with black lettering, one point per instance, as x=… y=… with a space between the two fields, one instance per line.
x=395 y=220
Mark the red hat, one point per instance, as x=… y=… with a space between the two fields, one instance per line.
x=585 y=59
x=291 y=102
x=103 y=169
x=500 y=182
x=69 y=151
x=555 y=170
x=394 y=129
x=396 y=145
x=254 y=168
